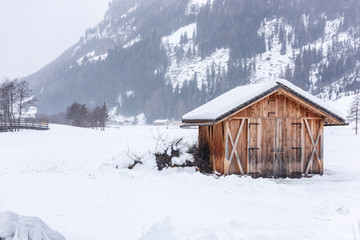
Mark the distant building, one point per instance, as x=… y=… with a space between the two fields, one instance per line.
x=161 y=122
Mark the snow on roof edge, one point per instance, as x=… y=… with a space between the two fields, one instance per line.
x=324 y=106
x=233 y=99
x=214 y=111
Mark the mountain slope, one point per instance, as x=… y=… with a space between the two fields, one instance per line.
x=164 y=57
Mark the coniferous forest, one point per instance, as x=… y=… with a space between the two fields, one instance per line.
x=134 y=75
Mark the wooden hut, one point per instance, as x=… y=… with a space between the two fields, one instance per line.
x=271 y=129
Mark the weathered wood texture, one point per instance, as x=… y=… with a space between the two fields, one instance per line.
x=276 y=136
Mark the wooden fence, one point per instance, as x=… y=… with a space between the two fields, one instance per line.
x=25 y=123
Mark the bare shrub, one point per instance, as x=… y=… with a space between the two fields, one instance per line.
x=201 y=154
x=135 y=158
x=163 y=158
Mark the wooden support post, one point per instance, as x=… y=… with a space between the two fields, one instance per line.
x=248 y=146
x=322 y=148
x=302 y=142
x=226 y=160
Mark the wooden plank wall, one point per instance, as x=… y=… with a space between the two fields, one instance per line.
x=274 y=141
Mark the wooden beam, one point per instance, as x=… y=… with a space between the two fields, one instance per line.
x=302 y=155
x=322 y=148
x=248 y=146
x=226 y=160
x=239 y=118
x=284 y=118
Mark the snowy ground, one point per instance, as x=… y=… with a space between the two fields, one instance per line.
x=64 y=176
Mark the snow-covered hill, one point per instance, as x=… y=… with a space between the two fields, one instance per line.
x=147 y=46
x=67 y=177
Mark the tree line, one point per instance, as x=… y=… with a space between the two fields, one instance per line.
x=354 y=111
x=82 y=116
x=15 y=97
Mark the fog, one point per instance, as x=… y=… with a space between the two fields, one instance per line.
x=35 y=32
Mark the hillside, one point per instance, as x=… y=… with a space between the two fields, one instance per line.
x=165 y=57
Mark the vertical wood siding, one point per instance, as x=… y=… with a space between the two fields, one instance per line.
x=277 y=139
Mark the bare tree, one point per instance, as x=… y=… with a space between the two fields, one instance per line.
x=15 y=97
x=24 y=98
x=12 y=101
x=4 y=103
x=354 y=112
x=103 y=116
x=7 y=100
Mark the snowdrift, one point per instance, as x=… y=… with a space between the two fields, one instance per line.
x=15 y=227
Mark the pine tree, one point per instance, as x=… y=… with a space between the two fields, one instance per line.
x=354 y=112
x=104 y=116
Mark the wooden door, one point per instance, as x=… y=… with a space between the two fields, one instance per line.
x=271 y=148
x=292 y=148
x=313 y=162
x=275 y=147
x=235 y=146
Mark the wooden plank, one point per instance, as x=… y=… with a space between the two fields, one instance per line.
x=279 y=144
x=322 y=148
x=218 y=136
x=298 y=151
x=302 y=154
x=248 y=147
x=254 y=150
x=259 y=137
x=294 y=148
x=226 y=141
x=287 y=155
x=265 y=154
x=280 y=106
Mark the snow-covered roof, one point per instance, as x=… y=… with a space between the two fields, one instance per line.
x=242 y=96
x=161 y=121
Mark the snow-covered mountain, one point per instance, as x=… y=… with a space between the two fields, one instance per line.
x=165 y=57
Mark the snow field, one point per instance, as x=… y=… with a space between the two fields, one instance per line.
x=66 y=177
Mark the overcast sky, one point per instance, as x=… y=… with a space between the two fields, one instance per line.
x=35 y=32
